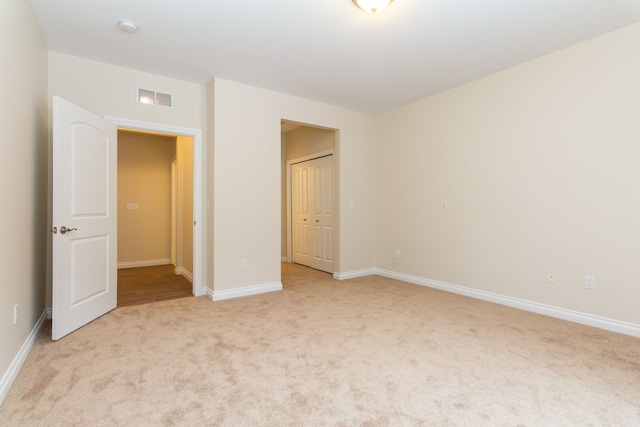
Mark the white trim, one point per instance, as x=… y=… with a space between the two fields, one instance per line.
x=355 y=273
x=246 y=291
x=144 y=263
x=187 y=274
x=14 y=368
x=284 y=259
x=174 y=211
x=534 y=307
x=199 y=190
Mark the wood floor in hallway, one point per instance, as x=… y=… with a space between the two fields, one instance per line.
x=150 y=284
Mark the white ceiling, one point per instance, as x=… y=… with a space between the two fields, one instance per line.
x=328 y=50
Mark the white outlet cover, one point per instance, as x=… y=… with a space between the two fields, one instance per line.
x=590 y=282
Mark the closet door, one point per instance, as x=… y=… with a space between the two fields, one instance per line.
x=312 y=213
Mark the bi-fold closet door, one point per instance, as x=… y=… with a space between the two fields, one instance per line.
x=312 y=213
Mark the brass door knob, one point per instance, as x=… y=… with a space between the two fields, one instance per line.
x=64 y=229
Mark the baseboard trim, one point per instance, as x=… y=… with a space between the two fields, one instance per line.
x=14 y=368
x=547 y=310
x=354 y=274
x=187 y=275
x=144 y=263
x=243 y=292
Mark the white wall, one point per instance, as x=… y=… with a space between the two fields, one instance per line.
x=23 y=180
x=540 y=168
x=247 y=187
x=108 y=90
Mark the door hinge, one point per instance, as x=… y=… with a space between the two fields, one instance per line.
x=54 y=230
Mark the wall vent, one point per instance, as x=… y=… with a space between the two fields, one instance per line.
x=146 y=96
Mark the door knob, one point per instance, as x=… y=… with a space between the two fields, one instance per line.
x=64 y=229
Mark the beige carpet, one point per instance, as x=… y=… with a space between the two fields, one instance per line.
x=368 y=351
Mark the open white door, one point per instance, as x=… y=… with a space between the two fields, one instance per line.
x=84 y=217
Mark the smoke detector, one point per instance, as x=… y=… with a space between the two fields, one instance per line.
x=128 y=26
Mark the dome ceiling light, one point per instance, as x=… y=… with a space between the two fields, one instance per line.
x=128 y=26
x=372 y=6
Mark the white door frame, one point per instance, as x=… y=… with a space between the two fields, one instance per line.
x=199 y=191
x=290 y=195
x=174 y=212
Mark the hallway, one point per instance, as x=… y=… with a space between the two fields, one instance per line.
x=151 y=284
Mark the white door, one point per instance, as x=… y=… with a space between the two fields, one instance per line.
x=312 y=213
x=300 y=218
x=84 y=217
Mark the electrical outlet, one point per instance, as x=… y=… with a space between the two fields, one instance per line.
x=15 y=314
x=243 y=264
x=397 y=253
x=590 y=282
x=551 y=276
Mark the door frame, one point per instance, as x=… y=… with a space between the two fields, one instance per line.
x=291 y=162
x=199 y=191
x=174 y=211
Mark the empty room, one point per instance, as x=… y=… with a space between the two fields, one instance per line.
x=400 y=213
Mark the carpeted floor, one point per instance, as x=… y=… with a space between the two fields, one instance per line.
x=369 y=351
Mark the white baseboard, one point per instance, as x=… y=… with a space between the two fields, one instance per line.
x=284 y=259
x=354 y=274
x=547 y=310
x=14 y=368
x=187 y=274
x=144 y=263
x=246 y=291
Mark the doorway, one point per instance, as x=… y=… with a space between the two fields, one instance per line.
x=155 y=216
x=312 y=242
x=198 y=226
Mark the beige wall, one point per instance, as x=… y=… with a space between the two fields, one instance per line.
x=144 y=179
x=305 y=141
x=298 y=143
x=23 y=178
x=539 y=165
x=247 y=195
x=185 y=203
x=109 y=90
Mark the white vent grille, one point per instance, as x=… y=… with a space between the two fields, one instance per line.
x=146 y=96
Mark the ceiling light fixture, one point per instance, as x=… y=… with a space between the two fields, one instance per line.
x=372 y=6
x=128 y=26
